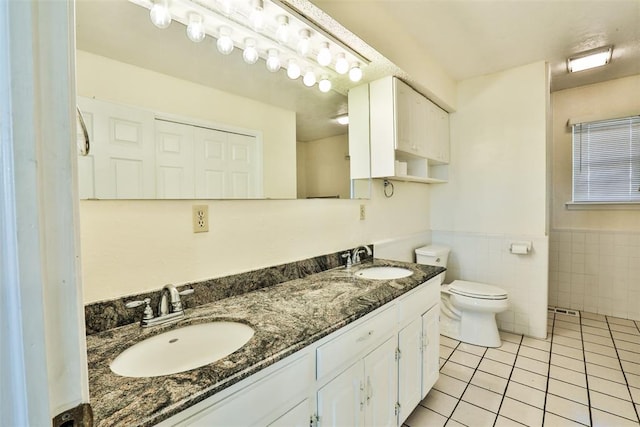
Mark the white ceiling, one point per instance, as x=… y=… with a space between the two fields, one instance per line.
x=475 y=37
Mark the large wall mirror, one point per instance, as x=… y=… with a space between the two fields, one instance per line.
x=136 y=82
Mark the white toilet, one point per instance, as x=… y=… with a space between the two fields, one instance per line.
x=467 y=309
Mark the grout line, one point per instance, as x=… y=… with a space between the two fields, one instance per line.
x=504 y=393
x=624 y=374
x=586 y=373
x=466 y=387
x=546 y=389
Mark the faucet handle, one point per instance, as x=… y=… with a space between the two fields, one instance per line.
x=148 y=311
x=186 y=292
x=347 y=255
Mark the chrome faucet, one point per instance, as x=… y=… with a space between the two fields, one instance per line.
x=355 y=258
x=169 y=308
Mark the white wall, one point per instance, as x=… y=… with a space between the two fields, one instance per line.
x=110 y=80
x=594 y=262
x=497 y=190
x=135 y=246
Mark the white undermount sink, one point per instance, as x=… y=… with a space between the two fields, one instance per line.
x=182 y=349
x=384 y=273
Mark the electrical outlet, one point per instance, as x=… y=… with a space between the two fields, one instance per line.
x=362 y=213
x=200 y=218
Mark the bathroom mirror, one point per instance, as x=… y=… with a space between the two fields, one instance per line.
x=128 y=66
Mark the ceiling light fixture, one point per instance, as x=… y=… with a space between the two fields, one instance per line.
x=343 y=119
x=590 y=59
x=250 y=53
x=257 y=14
x=355 y=73
x=224 y=43
x=282 y=33
x=324 y=84
x=195 y=29
x=342 y=65
x=293 y=69
x=309 y=78
x=273 y=60
x=159 y=14
x=304 y=42
x=324 y=55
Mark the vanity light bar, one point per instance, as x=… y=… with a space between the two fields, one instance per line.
x=590 y=59
x=263 y=23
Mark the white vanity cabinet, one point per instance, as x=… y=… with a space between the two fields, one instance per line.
x=372 y=372
x=408 y=133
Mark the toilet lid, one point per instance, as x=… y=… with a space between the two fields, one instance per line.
x=477 y=290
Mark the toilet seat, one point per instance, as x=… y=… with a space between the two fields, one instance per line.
x=477 y=290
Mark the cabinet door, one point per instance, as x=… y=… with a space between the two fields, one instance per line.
x=431 y=348
x=381 y=376
x=299 y=416
x=341 y=401
x=410 y=368
x=404 y=106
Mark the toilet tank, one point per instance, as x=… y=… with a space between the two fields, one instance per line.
x=433 y=255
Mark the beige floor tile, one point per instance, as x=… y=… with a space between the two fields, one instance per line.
x=567 y=409
x=439 y=402
x=500 y=356
x=442 y=361
x=568 y=391
x=483 y=398
x=509 y=347
x=472 y=415
x=618 y=321
x=621 y=336
x=599 y=359
x=596 y=331
x=445 y=351
x=466 y=359
x=450 y=385
x=629 y=356
x=633 y=380
x=592 y=316
x=567 y=362
x=563 y=350
x=473 y=349
x=597 y=339
x=488 y=381
x=628 y=346
x=609 y=387
x=458 y=371
x=605 y=419
x=635 y=394
x=605 y=350
x=506 y=422
x=536 y=343
x=569 y=342
x=552 y=420
x=454 y=423
x=496 y=368
x=521 y=412
x=562 y=333
x=532 y=365
x=626 y=329
x=530 y=379
x=449 y=342
x=567 y=325
x=523 y=393
x=604 y=402
x=606 y=373
x=510 y=337
x=534 y=353
x=423 y=417
x=595 y=323
x=568 y=376
x=567 y=318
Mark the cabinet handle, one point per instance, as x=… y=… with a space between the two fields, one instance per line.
x=361 y=395
x=365 y=336
x=369 y=390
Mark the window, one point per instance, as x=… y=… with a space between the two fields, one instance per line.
x=606 y=161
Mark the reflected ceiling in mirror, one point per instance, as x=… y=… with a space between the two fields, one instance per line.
x=122 y=31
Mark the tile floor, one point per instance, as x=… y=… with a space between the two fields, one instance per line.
x=587 y=372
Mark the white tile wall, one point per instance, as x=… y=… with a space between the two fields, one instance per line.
x=596 y=271
x=486 y=258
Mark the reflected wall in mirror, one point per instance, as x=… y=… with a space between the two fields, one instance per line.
x=137 y=83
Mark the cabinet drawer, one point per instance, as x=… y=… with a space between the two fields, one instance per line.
x=419 y=301
x=351 y=344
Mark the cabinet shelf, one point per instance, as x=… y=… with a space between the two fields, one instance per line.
x=409 y=178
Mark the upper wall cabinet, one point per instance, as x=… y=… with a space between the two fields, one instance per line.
x=409 y=135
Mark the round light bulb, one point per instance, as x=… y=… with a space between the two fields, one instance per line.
x=293 y=69
x=304 y=44
x=273 y=60
x=195 y=29
x=342 y=65
x=355 y=73
x=250 y=53
x=226 y=6
x=160 y=15
x=324 y=84
x=282 y=33
x=324 y=55
x=224 y=43
x=309 y=78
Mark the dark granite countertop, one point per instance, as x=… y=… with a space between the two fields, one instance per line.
x=286 y=318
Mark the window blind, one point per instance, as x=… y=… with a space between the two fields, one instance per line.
x=606 y=161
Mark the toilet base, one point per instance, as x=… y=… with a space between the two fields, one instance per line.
x=471 y=327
